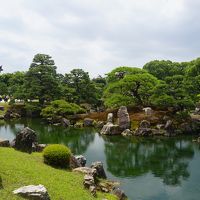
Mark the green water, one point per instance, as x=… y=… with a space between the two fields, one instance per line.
x=148 y=168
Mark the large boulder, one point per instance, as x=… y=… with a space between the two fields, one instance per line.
x=99 y=168
x=127 y=132
x=25 y=140
x=110 y=129
x=123 y=118
x=4 y=143
x=36 y=192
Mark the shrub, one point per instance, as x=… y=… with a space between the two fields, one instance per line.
x=57 y=155
x=61 y=108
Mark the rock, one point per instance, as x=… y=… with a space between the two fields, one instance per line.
x=143 y=132
x=160 y=126
x=100 y=124
x=148 y=111
x=110 y=129
x=110 y=117
x=40 y=147
x=81 y=160
x=36 y=192
x=99 y=168
x=127 y=132
x=144 y=124
x=78 y=125
x=77 y=161
x=123 y=118
x=87 y=122
x=25 y=139
x=119 y=193
x=1 y=116
x=88 y=181
x=4 y=143
x=86 y=170
x=93 y=191
x=65 y=122
x=169 y=127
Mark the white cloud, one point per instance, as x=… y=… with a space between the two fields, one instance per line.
x=98 y=35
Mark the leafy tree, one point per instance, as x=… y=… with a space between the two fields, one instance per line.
x=131 y=89
x=81 y=87
x=164 y=68
x=41 y=81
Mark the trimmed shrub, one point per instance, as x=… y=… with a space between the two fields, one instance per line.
x=57 y=155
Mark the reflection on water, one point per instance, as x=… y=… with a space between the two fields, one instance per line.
x=148 y=168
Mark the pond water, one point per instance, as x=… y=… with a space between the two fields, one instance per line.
x=147 y=168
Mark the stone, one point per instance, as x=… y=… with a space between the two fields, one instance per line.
x=81 y=160
x=127 y=132
x=123 y=118
x=40 y=147
x=169 y=127
x=36 y=192
x=25 y=139
x=148 y=110
x=87 y=122
x=99 y=168
x=119 y=193
x=86 y=170
x=110 y=129
x=93 y=191
x=88 y=181
x=2 y=108
x=65 y=122
x=1 y=117
x=144 y=124
x=143 y=132
x=100 y=124
x=110 y=117
x=4 y=143
x=78 y=125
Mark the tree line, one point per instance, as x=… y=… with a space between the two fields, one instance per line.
x=161 y=84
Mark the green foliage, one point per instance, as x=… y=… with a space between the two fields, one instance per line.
x=41 y=80
x=61 y=108
x=112 y=76
x=117 y=100
x=164 y=68
x=131 y=89
x=57 y=155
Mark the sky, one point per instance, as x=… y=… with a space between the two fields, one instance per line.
x=98 y=35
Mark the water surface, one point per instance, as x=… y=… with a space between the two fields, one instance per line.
x=148 y=168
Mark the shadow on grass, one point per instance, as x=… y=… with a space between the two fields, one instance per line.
x=1 y=183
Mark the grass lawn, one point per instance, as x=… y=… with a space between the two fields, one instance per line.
x=18 y=169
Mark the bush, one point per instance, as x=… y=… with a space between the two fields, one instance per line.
x=57 y=155
x=61 y=108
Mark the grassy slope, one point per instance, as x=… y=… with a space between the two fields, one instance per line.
x=18 y=169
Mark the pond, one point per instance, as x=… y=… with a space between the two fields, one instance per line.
x=148 y=168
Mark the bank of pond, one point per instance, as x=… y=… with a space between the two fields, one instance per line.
x=147 y=168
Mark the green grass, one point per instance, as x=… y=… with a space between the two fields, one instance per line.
x=18 y=169
x=5 y=108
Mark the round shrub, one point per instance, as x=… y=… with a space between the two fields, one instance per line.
x=57 y=155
